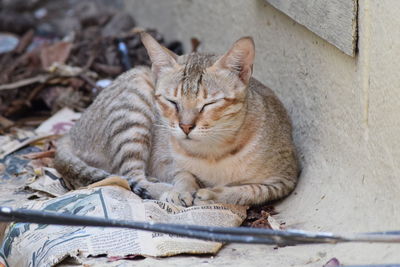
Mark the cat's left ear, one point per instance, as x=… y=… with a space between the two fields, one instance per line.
x=239 y=59
x=161 y=57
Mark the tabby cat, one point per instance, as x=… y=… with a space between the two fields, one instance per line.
x=194 y=129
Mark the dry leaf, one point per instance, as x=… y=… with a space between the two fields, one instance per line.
x=58 y=52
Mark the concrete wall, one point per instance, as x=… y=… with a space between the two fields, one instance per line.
x=344 y=109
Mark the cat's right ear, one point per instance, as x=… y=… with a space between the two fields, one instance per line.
x=239 y=59
x=161 y=57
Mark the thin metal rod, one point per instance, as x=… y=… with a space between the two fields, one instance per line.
x=41 y=217
x=219 y=234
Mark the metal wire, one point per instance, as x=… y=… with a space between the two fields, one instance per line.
x=210 y=233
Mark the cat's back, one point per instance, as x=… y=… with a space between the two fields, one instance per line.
x=112 y=95
x=266 y=104
x=126 y=104
x=113 y=135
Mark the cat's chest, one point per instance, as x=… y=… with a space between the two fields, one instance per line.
x=229 y=170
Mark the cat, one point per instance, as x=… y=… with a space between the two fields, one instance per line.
x=192 y=130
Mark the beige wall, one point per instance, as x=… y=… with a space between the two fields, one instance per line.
x=345 y=110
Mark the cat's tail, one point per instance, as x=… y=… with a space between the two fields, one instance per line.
x=75 y=172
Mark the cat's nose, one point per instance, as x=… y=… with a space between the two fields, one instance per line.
x=187 y=128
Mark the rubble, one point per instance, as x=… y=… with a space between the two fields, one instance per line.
x=261 y=217
x=89 y=39
x=8 y=42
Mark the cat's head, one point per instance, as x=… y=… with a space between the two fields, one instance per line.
x=200 y=97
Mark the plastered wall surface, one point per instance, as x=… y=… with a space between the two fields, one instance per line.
x=345 y=113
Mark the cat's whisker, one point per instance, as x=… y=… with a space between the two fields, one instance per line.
x=219 y=130
x=164 y=126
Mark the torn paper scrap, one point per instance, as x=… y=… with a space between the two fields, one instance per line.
x=59 y=123
x=48 y=181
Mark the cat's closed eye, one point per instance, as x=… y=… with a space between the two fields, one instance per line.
x=173 y=103
x=207 y=104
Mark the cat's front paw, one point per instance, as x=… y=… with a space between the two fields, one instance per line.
x=184 y=199
x=149 y=190
x=204 y=196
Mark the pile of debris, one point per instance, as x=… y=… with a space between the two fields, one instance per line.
x=261 y=217
x=61 y=53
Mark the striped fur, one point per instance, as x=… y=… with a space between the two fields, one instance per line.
x=113 y=136
x=196 y=129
